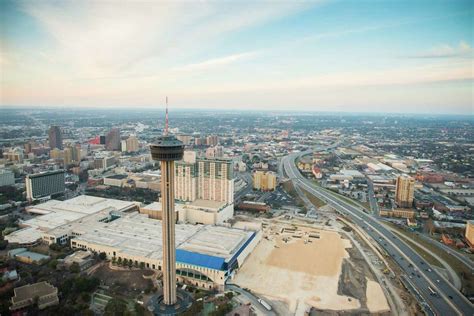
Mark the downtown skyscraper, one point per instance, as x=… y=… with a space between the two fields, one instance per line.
x=55 y=137
x=112 y=140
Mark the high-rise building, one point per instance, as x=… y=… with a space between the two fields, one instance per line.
x=55 y=137
x=186 y=177
x=14 y=154
x=102 y=139
x=56 y=153
x=198 y=141
x=205 y=179
x=185 y=139
x=104 y=162
x=265 y=181
x=470 y=233
x=215 y=152
x=112 y=140
x=132 y=144
x=405 y=190
x=7 y=177
x=67 y=155
x=44 y=184
x=212 y=140
x=77 y=153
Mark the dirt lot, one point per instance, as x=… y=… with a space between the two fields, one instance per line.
x=124 y=282
x=298 y=273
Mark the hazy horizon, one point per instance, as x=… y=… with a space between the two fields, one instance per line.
x=162 y=108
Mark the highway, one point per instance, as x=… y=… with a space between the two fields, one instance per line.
x=247 y=177
x=372 y=199
x=252 y=298
x=468 y=262
x=445 y=300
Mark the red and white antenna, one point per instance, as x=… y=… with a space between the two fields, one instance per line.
x=166 y=119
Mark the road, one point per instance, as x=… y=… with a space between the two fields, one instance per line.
x=372 y=200
x=468 y=262
x=252 y=298
x=247 y=177
x=445 y=301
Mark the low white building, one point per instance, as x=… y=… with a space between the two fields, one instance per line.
x=56 y=213
x=196 y=212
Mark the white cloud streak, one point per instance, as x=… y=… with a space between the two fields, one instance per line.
x=463 y=50
x=216 y=62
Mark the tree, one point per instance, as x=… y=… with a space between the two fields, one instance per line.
x=114 y=260
x=75 y=268
x=229 y=295
x=85 y=297
x=55 y=247
x=142 y=265
x=195 y=309
x=222 y=310
x=139 y=310
x=102 y=256
x=3 y=244
x=53 y=264
x=115 y=307
x=119 y=261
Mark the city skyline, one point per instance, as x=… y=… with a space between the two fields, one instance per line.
x=403 y=57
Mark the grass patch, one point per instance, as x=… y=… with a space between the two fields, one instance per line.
x=428 y=257
x=345 y=198
x=289 y=187
x=460 y=268
x=314 y=200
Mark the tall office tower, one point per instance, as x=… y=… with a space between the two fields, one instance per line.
x=185 y=181
x=28 y=146
x=112 y=140
x=219 y=151
x=131 y=144
x=186 y=139
x=167 y=150
x=212 y=140
x=14 y=154
x=77 y=153
x=55 y=137
x=211 y=152
x=44 y=184
x=265 y=181
x=405 y=190
x=204 y=178
x=215 y=180
x=68 y=155
x=102 y=139
x=56 y=154
x=197 y=141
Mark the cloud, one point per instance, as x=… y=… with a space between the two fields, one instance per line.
x=448 y=51
x=418 y=75
x=104 y=39
x=215 y=62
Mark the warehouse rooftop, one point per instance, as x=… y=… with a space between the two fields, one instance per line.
x=137 y=235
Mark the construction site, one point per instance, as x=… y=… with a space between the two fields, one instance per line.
x=300 y=267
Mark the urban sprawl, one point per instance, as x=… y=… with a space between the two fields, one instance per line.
x=276 y=213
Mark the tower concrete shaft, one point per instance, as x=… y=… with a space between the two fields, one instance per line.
x=169 y=220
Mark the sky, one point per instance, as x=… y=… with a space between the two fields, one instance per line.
x=339 y=56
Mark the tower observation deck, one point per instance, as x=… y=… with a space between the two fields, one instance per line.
x=167 y=150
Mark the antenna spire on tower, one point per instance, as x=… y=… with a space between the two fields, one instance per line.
x=166 y=119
